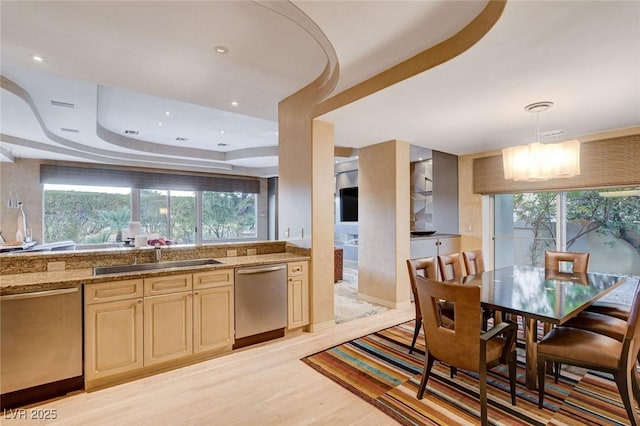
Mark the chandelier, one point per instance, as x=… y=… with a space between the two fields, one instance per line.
x=538 y=161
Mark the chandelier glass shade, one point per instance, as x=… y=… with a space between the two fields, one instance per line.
x=538 y=161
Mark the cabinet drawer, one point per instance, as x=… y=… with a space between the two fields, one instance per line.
x=111 y=291
x=296 y=268
x=220 y=278
x=167 y=284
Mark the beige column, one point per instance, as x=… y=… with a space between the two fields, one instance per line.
x=383 y=223
x=305 y=202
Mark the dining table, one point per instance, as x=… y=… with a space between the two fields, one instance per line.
x=536 y=294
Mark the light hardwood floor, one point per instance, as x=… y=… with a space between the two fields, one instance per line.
x=260 y=385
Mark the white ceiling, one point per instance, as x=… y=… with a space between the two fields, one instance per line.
x=124 y=65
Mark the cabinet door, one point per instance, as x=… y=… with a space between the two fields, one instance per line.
x=449 y=245
x=113 y=338
x=213 y=319
x=297 y=295
x=423 y=247
x=168 y=327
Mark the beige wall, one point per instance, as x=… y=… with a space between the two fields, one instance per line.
x=22 y=178
x=469 y=205
x=383 y=223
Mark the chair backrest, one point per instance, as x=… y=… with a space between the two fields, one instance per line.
x=450 y=266
x=458 y=346
x=552 y=260
x=425 y=266
x=473 y=262
x=633 y=327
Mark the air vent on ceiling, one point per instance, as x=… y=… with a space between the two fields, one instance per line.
x=66 y=129
x=63 y=104
x=223 y=144
x=551 y=133
x=179 y=139
x=131 y=132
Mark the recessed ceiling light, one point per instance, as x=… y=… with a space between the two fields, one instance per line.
x=63 y=104
x=179 y=139
x=222 y=132
x=222 y=144
x=234 y=103
x=167 y=113
x=37 y=58
x=159 y=123
x=222 y=49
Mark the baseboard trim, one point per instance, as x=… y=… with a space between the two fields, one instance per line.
x=383 y=302
x=322 y=326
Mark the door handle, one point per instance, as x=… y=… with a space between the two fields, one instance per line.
x=259 y=270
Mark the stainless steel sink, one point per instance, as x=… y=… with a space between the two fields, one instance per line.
x=118 y=269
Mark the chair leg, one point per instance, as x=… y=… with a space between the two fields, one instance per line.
x=483 y=393
x=542 y=365
x=428 y=363
x=556 y=371
x=512 y=377
x=624 y=382
x=415 y=333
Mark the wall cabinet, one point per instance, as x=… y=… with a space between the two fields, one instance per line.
x=113 y=328
x=297 y=294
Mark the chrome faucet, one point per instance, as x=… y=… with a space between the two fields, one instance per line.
x=158 y=253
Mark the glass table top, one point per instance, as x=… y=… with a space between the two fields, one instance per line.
x=546 y=295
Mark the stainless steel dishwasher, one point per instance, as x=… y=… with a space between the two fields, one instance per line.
x=260 y=303
x=41 y=345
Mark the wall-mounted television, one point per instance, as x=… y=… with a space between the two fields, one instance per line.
x=349 y=204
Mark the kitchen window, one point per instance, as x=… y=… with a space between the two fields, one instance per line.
x=90 y=215
x=603 y=222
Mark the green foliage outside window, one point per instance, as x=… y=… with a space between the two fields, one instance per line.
x=613 y=217
x=228 y=215
x=85 y=217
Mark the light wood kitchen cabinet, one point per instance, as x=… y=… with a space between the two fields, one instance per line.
x=213 y=315
x=168 y=327
x=113 y=337
x=213 y=319
x=168 y=284
x=297 y=294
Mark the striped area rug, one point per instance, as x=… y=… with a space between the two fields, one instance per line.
x=379 y=369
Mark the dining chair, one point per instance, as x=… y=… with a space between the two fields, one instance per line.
x=473 y=262
x=464 y=346
x=450 y=266
x=579 y=264
x=426 y=266
x=616 y=310
x=579 y=261
x=594 y=351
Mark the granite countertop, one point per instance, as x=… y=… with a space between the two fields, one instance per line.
x=40 y=281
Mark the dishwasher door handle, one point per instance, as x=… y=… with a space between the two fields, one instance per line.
x=260 y=270
x=45 y=293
